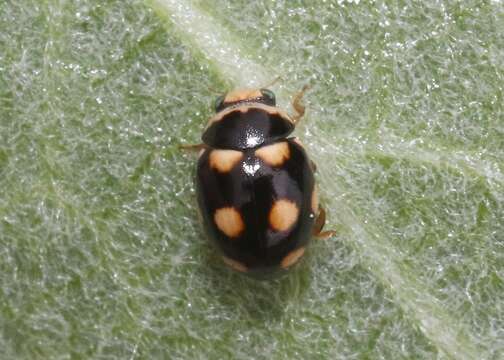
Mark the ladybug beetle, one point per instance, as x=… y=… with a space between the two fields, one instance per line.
x=255 y=185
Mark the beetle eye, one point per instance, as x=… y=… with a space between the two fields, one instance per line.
x=269 y=96
x=218 y=103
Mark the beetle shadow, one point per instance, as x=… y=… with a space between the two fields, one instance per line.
x=262 y=299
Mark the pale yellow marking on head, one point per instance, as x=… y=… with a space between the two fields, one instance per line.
x=224 y=160
x=229 y=221
x=244 y=108
x=315 y=200
x=283 y=215
x=235 y=265
x=275 y=154
x=292 y=257
x=242 y=95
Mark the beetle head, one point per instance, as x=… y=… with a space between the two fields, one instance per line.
x=238 y=96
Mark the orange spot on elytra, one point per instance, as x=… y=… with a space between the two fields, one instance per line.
x=275 y=154
x=283 y=215
x=229 y=221
x=224 y=160
x=292 y=257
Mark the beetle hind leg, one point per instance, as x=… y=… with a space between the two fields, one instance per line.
x=319 y=225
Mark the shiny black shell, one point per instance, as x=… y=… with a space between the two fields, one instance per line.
x=252 y=185
x=239 y=129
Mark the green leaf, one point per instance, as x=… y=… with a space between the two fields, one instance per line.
x=102 y=252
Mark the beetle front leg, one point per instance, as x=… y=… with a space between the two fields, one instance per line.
x=192 y=147
x=200 y=148
x=297 y=105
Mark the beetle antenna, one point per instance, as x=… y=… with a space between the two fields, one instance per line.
x=227 y=88
x=215 y=91
x=277 y=79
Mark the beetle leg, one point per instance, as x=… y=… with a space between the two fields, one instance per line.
x=192 y=147
x=271 y=83
x=313 y=166
x=298 y=106
x=319 y=225
x=319 y=222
